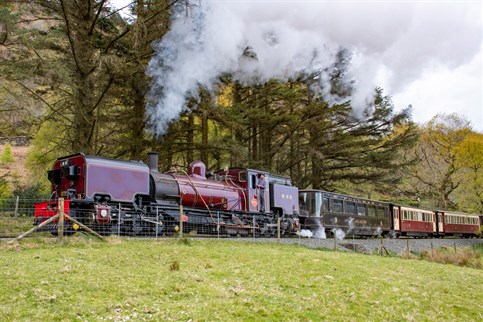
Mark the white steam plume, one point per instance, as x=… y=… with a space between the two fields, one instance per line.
x=392 y=43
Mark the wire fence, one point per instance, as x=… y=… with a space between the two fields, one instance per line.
x=17 y=218
x=18 y=215
x=18 y=207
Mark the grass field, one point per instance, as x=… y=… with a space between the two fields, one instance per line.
x=206 y=280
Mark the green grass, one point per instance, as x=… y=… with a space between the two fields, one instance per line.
x=207 y=280
x=14 y=226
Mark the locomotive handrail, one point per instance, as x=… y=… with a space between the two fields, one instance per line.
x=241 y=188
x=198 y=194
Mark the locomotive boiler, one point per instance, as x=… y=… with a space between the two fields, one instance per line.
x=131 y=197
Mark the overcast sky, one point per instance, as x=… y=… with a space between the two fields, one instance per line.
x=424 y=53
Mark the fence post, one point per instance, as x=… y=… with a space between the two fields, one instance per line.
x=60 y=224
x=16 y=206
x=181 y=222
x=157 y=221
x=119 y=222
x=278 y=229
x=253 y=227
x=218 y=224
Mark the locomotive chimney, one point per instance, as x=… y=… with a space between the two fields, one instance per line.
x=153 y=161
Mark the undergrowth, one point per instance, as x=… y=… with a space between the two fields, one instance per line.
x=467 y=256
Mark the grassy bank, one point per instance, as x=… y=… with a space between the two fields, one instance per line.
x=222 y=280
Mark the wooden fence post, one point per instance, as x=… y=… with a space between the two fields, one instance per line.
x=16 y=206
x=278 y=228
x=60 y=224
x=181 y=222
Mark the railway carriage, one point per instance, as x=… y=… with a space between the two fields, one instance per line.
x=412 y=221
x=356 y=216
x=457 y=224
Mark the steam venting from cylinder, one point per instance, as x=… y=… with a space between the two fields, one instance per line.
x=153 y=158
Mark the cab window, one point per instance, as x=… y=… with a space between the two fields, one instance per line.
x=242 y=176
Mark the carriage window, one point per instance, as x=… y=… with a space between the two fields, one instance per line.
x=380 y=212
x=337 y=206
x=325 y=204
x=350 y=208
x=361 y=209
x=310 y=203
x=371 y=211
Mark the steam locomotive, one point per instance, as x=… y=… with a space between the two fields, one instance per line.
x=126 y=197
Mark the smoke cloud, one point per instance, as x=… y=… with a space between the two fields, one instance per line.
x=392 y=44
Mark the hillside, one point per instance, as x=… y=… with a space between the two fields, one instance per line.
x=17 y=167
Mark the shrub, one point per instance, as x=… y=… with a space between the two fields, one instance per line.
x=34 y=191
x=462 y=257
x=7 y=155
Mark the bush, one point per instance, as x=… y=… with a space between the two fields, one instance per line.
x=28 y=192
x=4 y=187
x=462 y=257
x=7 y=155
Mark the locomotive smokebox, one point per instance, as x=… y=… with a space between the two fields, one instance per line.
x=153 y=158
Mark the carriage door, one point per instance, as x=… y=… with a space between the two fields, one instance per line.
x=440 y=222
x=395 y=218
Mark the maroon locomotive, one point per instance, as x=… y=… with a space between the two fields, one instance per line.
x=113 y=196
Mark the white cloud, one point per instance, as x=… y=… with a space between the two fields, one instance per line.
x=447 y=90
